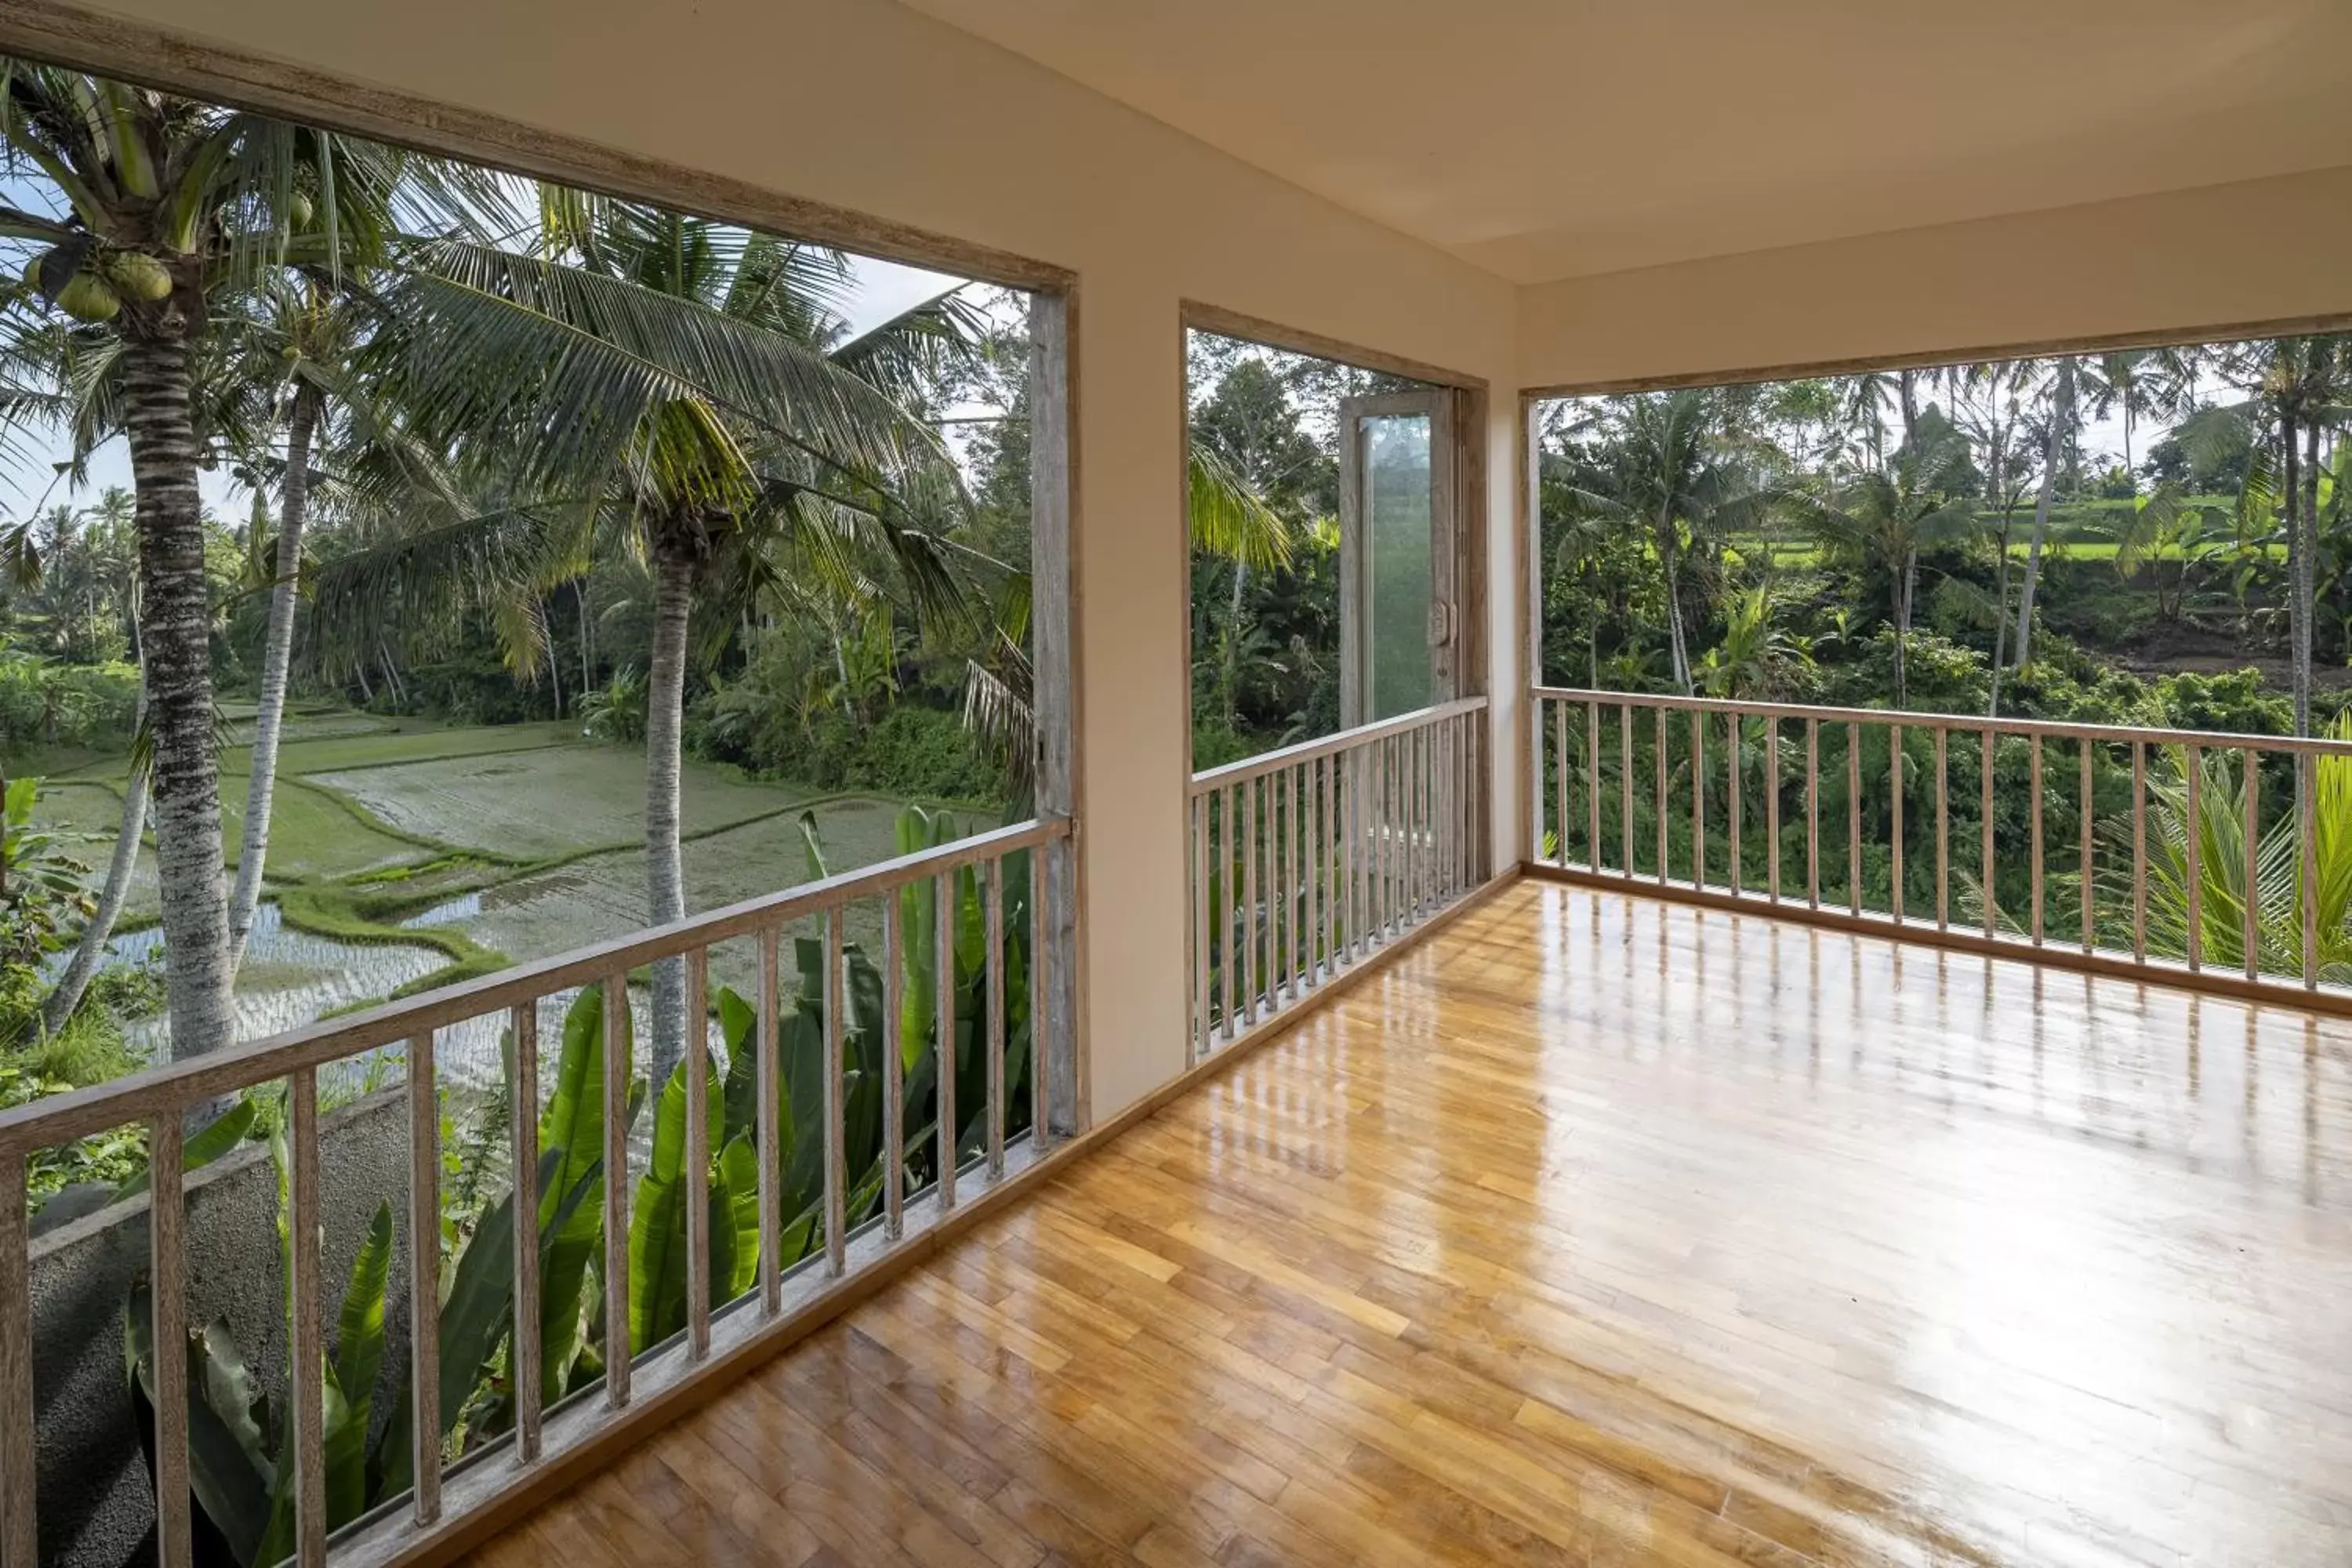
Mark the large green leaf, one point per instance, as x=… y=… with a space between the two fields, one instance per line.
x=359 y=1327
x=228 y=1471
x=574 y=1123
x=657 y=1251
x=223 y=1134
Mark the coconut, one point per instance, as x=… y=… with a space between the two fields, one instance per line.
x=140 y=276
x=86 y=297
x=298 y=211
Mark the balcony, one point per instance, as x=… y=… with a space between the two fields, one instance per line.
x=1601 y=1227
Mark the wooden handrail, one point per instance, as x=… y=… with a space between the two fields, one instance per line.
x=183 y=1085
x=1212 y=779
x=2055 y=728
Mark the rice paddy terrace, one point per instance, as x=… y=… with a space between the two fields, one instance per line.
x=405 y=853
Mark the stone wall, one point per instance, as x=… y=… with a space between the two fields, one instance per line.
x=96 y=1506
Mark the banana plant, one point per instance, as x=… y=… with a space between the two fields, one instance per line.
x=241 y=1461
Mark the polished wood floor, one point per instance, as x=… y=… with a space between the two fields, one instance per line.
x=1602 y=1231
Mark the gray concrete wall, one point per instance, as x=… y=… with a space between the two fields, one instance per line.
x=97 y=1507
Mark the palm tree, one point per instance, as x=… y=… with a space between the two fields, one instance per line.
x=2296 y=390
x=2062 y=414
x=1650 y=461
x=1883 y=520
x=669 y=387
x=302 y=331
x=168 y=210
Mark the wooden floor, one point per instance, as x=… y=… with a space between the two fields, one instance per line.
x=1607 y=1231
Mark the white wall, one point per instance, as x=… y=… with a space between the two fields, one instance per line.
x=2217 y=256
x=867 y=106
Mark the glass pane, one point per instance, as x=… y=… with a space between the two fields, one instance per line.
x=1396 y=490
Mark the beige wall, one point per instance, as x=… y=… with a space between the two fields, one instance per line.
x=867 y=106
x=2262 y=250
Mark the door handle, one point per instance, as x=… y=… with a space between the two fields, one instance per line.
x=1440 y=622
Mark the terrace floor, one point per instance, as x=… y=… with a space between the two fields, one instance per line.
x=1602 y=1230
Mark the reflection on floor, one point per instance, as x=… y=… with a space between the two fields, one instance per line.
x=1607 y=1231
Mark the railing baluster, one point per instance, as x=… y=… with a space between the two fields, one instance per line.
x=1699 y=799
x=2196 y=871
x=767 y=1098
x=894 y=1067
x=1327 y=855
x=1813 y=813
x=1292 y=845
x=946 y=899
x=425 y=1275
x=1733 y=792
x=1250 y=928
x=1773 y=804
x=1390 y=849
x=1663 y=867
x=1560 y=783
x=1416 y=856
x=1311 y=863
x=1895 y=807
x=1853 y=818
x=1228 y=955
x=306 y=1357
x=836 y=1007
x=2139 y=851
x=19 y=1530
x=2034 y=825
x=617 y=1069
x=2250 y=935
x=2090 y=868
x=1625 y=781
x=1197 y=1046
x=522 y=1131
x=1041 y=998
x=1987 y=888
x=995 y=925
x=2307 y=848
x=1349 y=826
x=1943 y=829
x=1592 y=774
x=166 y=1214
x=1414 y=772
x=698 y=1153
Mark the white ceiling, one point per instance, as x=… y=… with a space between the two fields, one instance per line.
x=1546 y=139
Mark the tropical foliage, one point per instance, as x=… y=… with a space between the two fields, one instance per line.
x=240 y=1442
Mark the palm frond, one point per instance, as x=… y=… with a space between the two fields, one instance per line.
x=1229 y=518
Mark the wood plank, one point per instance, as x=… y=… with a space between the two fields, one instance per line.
x=1541 y=1248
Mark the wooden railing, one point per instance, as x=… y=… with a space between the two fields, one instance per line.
x=2062 y=834
x=1309 y=860
x=169 y=1100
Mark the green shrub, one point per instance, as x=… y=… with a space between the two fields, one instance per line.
x=910 y=751
x=48 y=704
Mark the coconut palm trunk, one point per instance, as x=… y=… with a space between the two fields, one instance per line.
x=2062 y=409
x=674 y=575
x=89 y=949
x=2303 y=589
x=269 y=723
x=175 y=634
x=2298 y=574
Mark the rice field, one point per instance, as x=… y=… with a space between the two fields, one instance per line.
x=490 y=844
